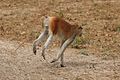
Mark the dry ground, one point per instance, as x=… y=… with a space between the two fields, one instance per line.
x=80 y=65
x=99 y=54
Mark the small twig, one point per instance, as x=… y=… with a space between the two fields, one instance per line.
x=19 y=46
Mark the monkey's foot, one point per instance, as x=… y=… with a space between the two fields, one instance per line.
x=34 y=50
x=54 y=60
x=61 y=65
x=43 y=55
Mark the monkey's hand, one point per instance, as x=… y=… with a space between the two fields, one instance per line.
x=43 y=53
x=34 y=50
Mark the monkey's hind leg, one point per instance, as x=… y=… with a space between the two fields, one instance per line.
x=62 y=49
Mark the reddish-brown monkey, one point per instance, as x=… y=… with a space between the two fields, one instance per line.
x=65 y=31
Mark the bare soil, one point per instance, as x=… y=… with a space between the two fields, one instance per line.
x=22 y=64
x=98 y=56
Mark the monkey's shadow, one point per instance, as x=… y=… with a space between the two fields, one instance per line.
x=71 y=64
x=77 y=64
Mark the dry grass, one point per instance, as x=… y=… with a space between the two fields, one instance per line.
x=22 y=20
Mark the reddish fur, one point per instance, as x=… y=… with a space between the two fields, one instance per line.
x=57 y=24
x=66 y=28
x=54 y=25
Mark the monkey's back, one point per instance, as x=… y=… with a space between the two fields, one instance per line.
x=61 y=28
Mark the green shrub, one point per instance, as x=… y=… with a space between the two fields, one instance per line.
x=78 y=41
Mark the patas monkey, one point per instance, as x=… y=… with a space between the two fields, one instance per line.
x=65 y=31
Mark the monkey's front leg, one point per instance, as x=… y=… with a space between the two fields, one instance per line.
x=49 y=40
x=38 y=40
